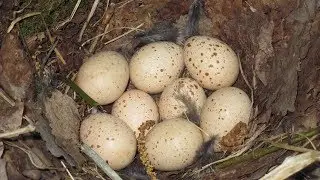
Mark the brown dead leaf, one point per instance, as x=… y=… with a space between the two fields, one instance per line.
x=265 y=51
x=61 y=111
x=15 y=71
x=273 y=39
x=10 y=117
x=35 y=159
x=42 y=126
x=3 y=170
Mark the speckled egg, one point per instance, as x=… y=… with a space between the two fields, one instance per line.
x=111 y=138
x=211 y=62
x=173 y=145
x=224 y=109
x=183 y=97
x=135 y=107
x=156 y=65
x=104 y=76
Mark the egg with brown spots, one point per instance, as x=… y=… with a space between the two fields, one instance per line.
x=155 y=66
x=173 y=145
x=223 y=110
x=110 y=137
x=211 y=62
x=135 y=107
x=104 y=76
x=184 y=97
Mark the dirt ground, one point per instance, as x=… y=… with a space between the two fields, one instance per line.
x=278 y=43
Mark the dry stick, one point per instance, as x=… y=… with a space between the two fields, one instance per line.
x=70 y=17
x=21 y=10
x=305 y=144
x=15 y=133
x=21 y=18
x=124 y=34
x=58 y=54
x=100 y=162
x=290 y=147
x=264 y=151
x=124 y=3
x=309 y=140
x=105 y=21
x=68 y=172
x=246 y=81
x=93 y=9
x=6 y=97
x=238 y=153
x=102 y=34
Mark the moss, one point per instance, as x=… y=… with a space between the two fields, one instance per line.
x=53 y=11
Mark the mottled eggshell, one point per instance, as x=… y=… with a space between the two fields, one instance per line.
x=111 y=138
x=211 y=62
x=135 y=107
x=183 y=97
x=173 y=145
x=155 y=66
x=224 y=109
x=104 y=76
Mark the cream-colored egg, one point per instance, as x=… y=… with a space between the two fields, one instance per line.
x=224 y=109
x=104 y=76
x=135 y=107
x=173 y=145
x=183 y=97
x=156 y=65
x=111 y=138
x=211 y=62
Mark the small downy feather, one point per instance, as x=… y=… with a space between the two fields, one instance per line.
x=165 y=31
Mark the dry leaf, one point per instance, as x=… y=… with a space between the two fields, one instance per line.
x=10 y=117
x=42 y=126
x=3 y=170
x=15 y=71
x=61 y=111
x=34 y=158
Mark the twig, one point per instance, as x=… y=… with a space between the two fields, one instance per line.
x=124 y=34
x=93 y=9
x=6 y=97
x=102 y=34
x=15 y=133
x=264 y=151
x=100 y=162
x=45 y=59
x=238 y=153
x=72 y=79
x=246 y=81
x=21 y=18
x=105 y=21
x=21 y=10
x=70 y=17
x=290 y=147
x=124 y=3
x=256 y=154
x=58 y=54
x=65 y=167
x=309 y=140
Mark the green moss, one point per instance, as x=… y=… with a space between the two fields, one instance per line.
x=53 y=11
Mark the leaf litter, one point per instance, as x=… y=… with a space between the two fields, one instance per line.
x=277 y=42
